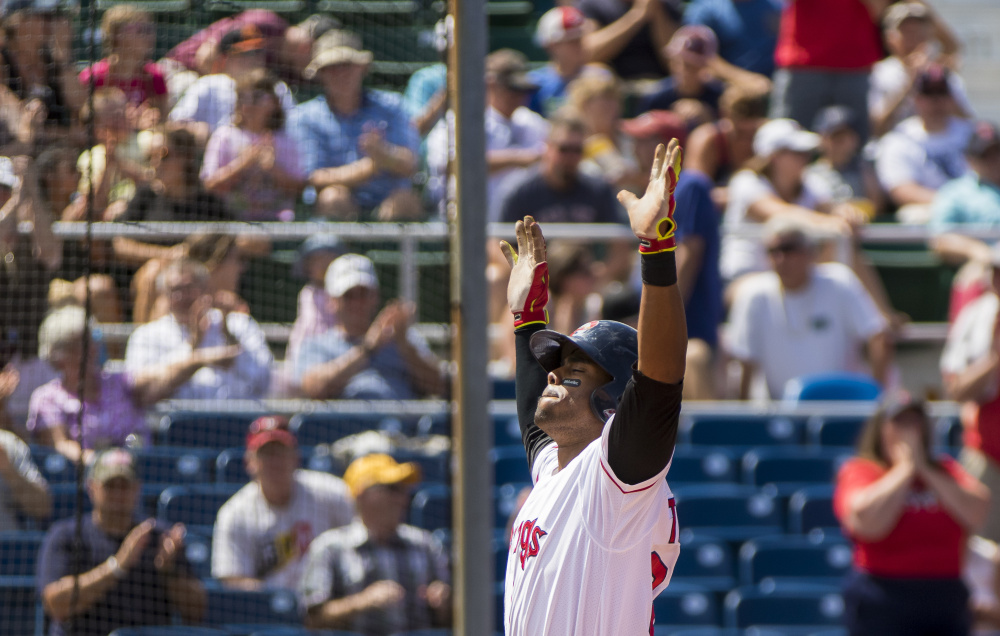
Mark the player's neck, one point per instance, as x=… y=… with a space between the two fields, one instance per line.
x=569 y=452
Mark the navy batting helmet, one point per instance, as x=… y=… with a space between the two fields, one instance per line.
x=611 y=345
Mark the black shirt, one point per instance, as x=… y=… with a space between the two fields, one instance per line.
x=590 y=200
x=148 y=206
x=639 y=58
x=666 y=94
x=138 y=599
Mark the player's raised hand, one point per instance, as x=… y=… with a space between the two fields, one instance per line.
x=652 y=216
x=528 y=289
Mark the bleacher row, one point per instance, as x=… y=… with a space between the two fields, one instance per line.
x=760 y=542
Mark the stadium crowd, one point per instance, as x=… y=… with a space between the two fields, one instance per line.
x=801 y=122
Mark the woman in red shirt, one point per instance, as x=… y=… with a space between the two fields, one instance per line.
x=909 y=516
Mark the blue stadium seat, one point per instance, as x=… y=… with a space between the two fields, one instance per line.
x=64 y=501
x=173 y=465
x=18 y=606
x=729 y=512
x=205 y=429
x=54 y=467
x=226 y=606
x=503 y=389
x=812 y=508
x=505 y=501
x=324 y=428
x=702 y=465
x=19 y=552
x=686 y=604
x=832 y=386
x=739 y=430
x=253 y=629
x=167 y=630
x=750 y=606
x=434 y=468
x=786 y=465
x=198 y=550
x=506 y=431
x=195 y=505
x=510 y=465
x=708 y=562
x=431 y=507
x=814 y=557
x=834 y=430
x=229 y=468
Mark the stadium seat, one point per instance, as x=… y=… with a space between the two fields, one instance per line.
x=18 y=608
x=752 y=606
x=229 y=468
x=702 y=465
x=433 y=468
x=739 y=430
x=64 y=501
x=54 y=467
x=503 y=389
x=506 y=431
x=784 y=466
x=431 y=507
x=198 y=551
x=834 y=430
x=811 y=508
x=227 y=606
x=324 y=428
x=686 y=604
x=505 y=501
x=172 y=465
x=832 y=386
x=510 y=465
x=195 y=505
x=167 y=630
x=814 y=557
x=205 y=429
x=729 y=512
x=240 y=629
x=707 y=562
x=19 y=552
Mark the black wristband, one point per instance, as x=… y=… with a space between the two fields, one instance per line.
x=659 y=270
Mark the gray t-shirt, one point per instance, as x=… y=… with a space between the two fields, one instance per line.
x=590 y=200
x=20 y=458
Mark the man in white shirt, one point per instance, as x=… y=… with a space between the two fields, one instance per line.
x=910 y=28
x=197 y=350
x=263 y=533
x=515 y=134
x=211 y=101
x=923 y=152
x=803 y=318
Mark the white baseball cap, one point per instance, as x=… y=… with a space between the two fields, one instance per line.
x=783 y=134
x=347 y=272
x=559 y=24
x=7 y=177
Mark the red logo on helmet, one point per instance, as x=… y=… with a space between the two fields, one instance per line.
x=590 y=325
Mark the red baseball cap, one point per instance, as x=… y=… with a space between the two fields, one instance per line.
x=656 y=124
x=270 y=428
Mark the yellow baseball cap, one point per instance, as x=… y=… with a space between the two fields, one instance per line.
x=379 y=469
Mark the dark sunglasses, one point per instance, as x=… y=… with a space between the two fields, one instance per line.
x=570 y=149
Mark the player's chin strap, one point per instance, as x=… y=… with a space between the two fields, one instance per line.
x=529 y=307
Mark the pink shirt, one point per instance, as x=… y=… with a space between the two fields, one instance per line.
x=105 y=423
x=138 y=89
x=314 y=318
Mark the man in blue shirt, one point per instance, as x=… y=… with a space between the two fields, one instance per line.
x=747 y=30
x=366 y=357
x=967 y=204
x=358 y=146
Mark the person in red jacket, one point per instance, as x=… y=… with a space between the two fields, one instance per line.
x=826 y=49
x=909 y=515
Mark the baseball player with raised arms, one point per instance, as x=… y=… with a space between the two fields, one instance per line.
x=596 y=541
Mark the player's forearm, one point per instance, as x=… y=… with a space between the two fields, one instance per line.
x=530 y=381
x=93 y=585
x=662 y=325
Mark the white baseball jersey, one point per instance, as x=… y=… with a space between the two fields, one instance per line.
x=589 y=553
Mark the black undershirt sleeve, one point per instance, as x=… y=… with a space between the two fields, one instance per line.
x=529 y=382
x=644 y=431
